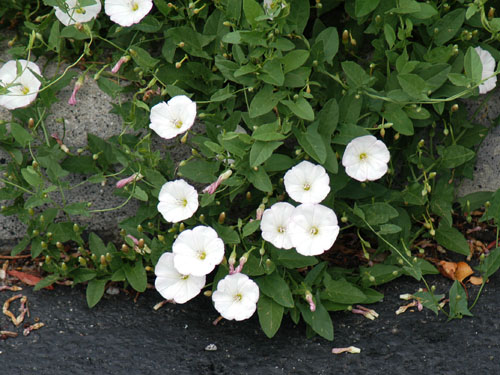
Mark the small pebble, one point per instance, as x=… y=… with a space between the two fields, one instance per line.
x=113 y=291
x=211 y=348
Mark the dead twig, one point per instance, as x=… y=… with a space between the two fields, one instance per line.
x=4 y=335
x=24 y=309
x=13 y=288
x=32 y=327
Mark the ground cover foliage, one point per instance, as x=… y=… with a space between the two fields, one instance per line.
x=274 y=83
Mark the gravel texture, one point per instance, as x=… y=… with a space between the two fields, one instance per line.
x=119 y=336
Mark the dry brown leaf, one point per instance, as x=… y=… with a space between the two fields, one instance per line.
x=463 y=271
x=447 y=269
x=27 y=278
x=475 y=280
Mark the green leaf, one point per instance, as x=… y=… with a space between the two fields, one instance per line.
x=400 y=120
x=109 y=86
x=342 y=291
x=31 y=176
x=279 y=162
x=142 y=57
x=330 y=39
x=294 y=59
x=227 y=234
x=413 y=85
x=95 y=291
x=79 y=208
x=264 y=101
x=54 y=37
x=292 y=259
x=458 y=302
x=272 y=73
x=491 y=264
x=379 y=213
x=275 y=287
x=365 y=7
x=261 y=151
x=268 y=132
x=252 y=10
x=270 y=315
x=389 y=229
x=250 y=228
x=451 y=239
x=300 y=108
x=456 y=155
x=199 y=170
x=260 y=180
x=328 y=118
x=356 y=75
x=448 y=26
x=97 y=245
x=21 y=135
x=319 y=320
x=136 y=275
x=473 y=66
x=48 y=281
x=312 y=142
x=390 y=35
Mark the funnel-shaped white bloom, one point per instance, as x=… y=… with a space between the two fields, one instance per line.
x=313 y=229
x=175 y=117
x=488 y=70
x=173 y=285
x=22 y=86
x=236 y=297
x=77 y=13
x=365 y=158
x=177 y=201
x=307 y=183
x=274 y=225
x=197 y=251
x=127 y=12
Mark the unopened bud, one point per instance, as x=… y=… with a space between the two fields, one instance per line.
x=76 y=228
x=48 y=259
x=125 y=248
x=345 y=36
x=184 y=138
x=103 y=260
x=222 y=217
x=491 y=13
x=454 y=107
x=59 y=245
x=64 y=267
x=140 y=228
x=82 y=261
x=31 y=123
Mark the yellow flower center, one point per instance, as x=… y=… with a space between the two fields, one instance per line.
x=281 y=230
x=25 y=90
x=202 y=255
x=184 y=277
x=80 y=11
x=307 y=186
x=362 y=156
x=184 y=202
x=135 y=6
x=238 y=297
x=314 y=231
x=178 y=124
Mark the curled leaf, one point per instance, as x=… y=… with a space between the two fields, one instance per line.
x=463 y=271
x=447 y=269
x=475 y=280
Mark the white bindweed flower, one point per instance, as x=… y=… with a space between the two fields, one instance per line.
x=173 y=285
x=488 y=63
x=177 y=201
x=77 y=13
x=127 y=12
x=307 y=183
x=173 y=117
x=274 y=225
x=197 y=251
x=22 y=86
x=365 y=158
x=236 y=297
x=313 y=228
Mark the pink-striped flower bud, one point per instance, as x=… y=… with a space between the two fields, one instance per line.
x=309 y=299
x=78 y=85
x=210 y=189
x=118 y=65
x=128 y=180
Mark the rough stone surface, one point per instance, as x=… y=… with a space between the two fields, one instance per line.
x=487 y=170
x=120 y=337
